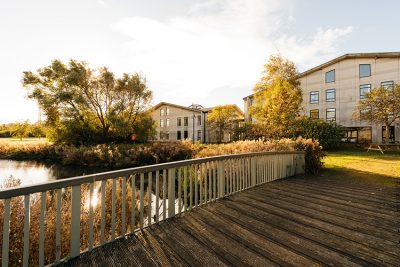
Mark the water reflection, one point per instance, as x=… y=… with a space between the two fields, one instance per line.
x=32 y=172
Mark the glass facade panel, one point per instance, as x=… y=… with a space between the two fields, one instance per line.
x=365 y=70
x=331 y=114
x=314 y=97
x=330 y=76
x=330 y=95
x=388 y=85
x=314 y=113
x=364 y=90
x=185 y=121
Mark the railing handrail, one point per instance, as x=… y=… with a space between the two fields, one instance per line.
x=78 y=180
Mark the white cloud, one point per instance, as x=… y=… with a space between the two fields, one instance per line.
x=218 y=44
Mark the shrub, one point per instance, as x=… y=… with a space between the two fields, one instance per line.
x=329 y=134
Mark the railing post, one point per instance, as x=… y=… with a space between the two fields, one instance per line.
x=171 y=193
x=75 y=220
x=221 y=179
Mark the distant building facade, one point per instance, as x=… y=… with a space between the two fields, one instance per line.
x=175 y=123
x=332 y=90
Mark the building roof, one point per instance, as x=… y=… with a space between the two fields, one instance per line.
x=190 y=108
x=350 y=56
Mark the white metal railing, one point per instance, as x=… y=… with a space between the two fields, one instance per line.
x=61 y=219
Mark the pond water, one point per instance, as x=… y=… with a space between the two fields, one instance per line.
x=32 y=172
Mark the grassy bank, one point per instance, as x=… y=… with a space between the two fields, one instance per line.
x=358 y=164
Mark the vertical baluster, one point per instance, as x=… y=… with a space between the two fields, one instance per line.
x=209 y=181
x=185 y=182
x=171 y=193
x=41 y=227
x=235 y=161
x=133 y=203
x=157 y=195
x=123 y=215
x=141 y=200
x=149 y=194
x=196 y=199
x=6 y=232
x=231 y=176
x=75 y=220
x=164 y=194
x=103 y=211
x=91 y=192
x=205 y=182
x=25 y=259
x=113 y=212
x=58 y=225
x=179 y=189
x=201 y=172
x=191 y=186
x=214 y=182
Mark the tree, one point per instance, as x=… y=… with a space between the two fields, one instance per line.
x=83 y=105
x=277 y=97
x=20 y=129
x=380 y=106
x=37 y=130
x=223 y=119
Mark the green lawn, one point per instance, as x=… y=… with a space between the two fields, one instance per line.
x=362 y=165
x=24 y=140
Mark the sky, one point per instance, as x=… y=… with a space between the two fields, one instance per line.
x=209 y=52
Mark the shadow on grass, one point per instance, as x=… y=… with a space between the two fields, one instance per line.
x=342 y=173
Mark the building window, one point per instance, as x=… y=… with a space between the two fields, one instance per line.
x=330 y=76
x=161 y=123
x=185 y=121
x=314 y=113
x=161 y=135
x=330 y=95
x=199 y=120
x=331 y=114
x=314 y=97
x=185 y=134
x=162 y=112
x=199 y=135
x=178 y=135
x=365 y=70
x=166 y=135
x=391 y=135
x=388 y=85
x=167 y=122
x=364 y=90
x=179 y=121
x=167 y=111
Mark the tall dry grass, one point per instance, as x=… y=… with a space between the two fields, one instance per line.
x=17 y=217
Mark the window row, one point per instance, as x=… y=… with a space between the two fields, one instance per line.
x=164 y=111
x=179 y=135
x=364 y=70
x=330 y=114
x=330 y=96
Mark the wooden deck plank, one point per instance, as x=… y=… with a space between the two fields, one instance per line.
x=374 y=222
x=345 y=227
x=261 y=245
x=300 y=221
x=319 y=231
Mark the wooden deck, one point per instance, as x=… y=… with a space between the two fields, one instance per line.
x=289 y=222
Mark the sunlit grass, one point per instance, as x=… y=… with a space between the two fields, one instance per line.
x=23 y=141
x=362 y=165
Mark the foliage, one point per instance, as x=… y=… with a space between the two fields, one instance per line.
x=20 y=129
x=329 y=134
x=277 y=97
x=86 y=106
x=381 y=106
x=223 y=119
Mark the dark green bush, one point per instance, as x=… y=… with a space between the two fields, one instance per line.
x=329 y=134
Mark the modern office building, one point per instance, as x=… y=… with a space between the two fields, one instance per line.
x=175 y=122
x=332 y=90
